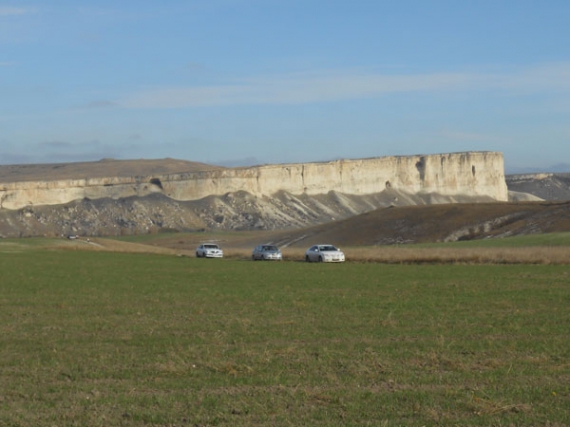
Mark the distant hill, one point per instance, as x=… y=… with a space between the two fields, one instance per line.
x=101 y=169
x=546 y=186
x=557 y=168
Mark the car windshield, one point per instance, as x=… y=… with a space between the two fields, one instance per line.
x=327 y=248
x=211 y=246
x=270 y=248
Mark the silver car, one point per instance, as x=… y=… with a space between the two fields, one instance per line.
x=209 y=250
x=324 y=253
x=266 y=252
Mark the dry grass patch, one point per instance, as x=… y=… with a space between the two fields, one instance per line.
x=434 y=255
x=522 y=255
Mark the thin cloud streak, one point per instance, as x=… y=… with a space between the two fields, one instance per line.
x=329 y=87
x=14 y=11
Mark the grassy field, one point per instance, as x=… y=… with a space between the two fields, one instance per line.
x=119 y=339
x=549 y=248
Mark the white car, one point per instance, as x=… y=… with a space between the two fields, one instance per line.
x=266 y=252
x=209 y=250
x=324 y=253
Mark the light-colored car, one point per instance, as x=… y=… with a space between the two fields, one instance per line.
x=324 y=253
x=209 y=250
x=266 y=252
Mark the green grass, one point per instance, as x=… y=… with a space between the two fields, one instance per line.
x=96 y=338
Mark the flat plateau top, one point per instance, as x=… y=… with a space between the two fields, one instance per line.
x=101 y=169
x=106 y=168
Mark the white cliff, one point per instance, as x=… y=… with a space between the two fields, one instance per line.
x=472 y=174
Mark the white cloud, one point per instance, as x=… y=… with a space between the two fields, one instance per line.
x=297 y=89
x=12 y=11
x=334 y=86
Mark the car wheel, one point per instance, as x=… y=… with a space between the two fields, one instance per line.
x=307 y=258
x=320 y=258
x=197 y=255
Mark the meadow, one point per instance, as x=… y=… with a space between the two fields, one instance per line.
x=95 y=338
x=547 y=248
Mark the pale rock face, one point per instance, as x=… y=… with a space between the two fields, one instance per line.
x=474 y=174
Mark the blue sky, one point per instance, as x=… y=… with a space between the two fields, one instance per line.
x=276 y=81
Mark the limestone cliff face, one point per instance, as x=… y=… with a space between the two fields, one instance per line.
x=475 y=174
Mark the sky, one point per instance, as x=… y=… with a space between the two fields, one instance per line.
x=239 y=82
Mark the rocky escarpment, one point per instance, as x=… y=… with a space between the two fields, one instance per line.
x=544 y=186
x=263 y=197
x=474 y=174
x=232 y=211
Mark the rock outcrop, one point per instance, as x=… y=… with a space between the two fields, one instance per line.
x=539 y=186
x=440 y=176
x=266 y=197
